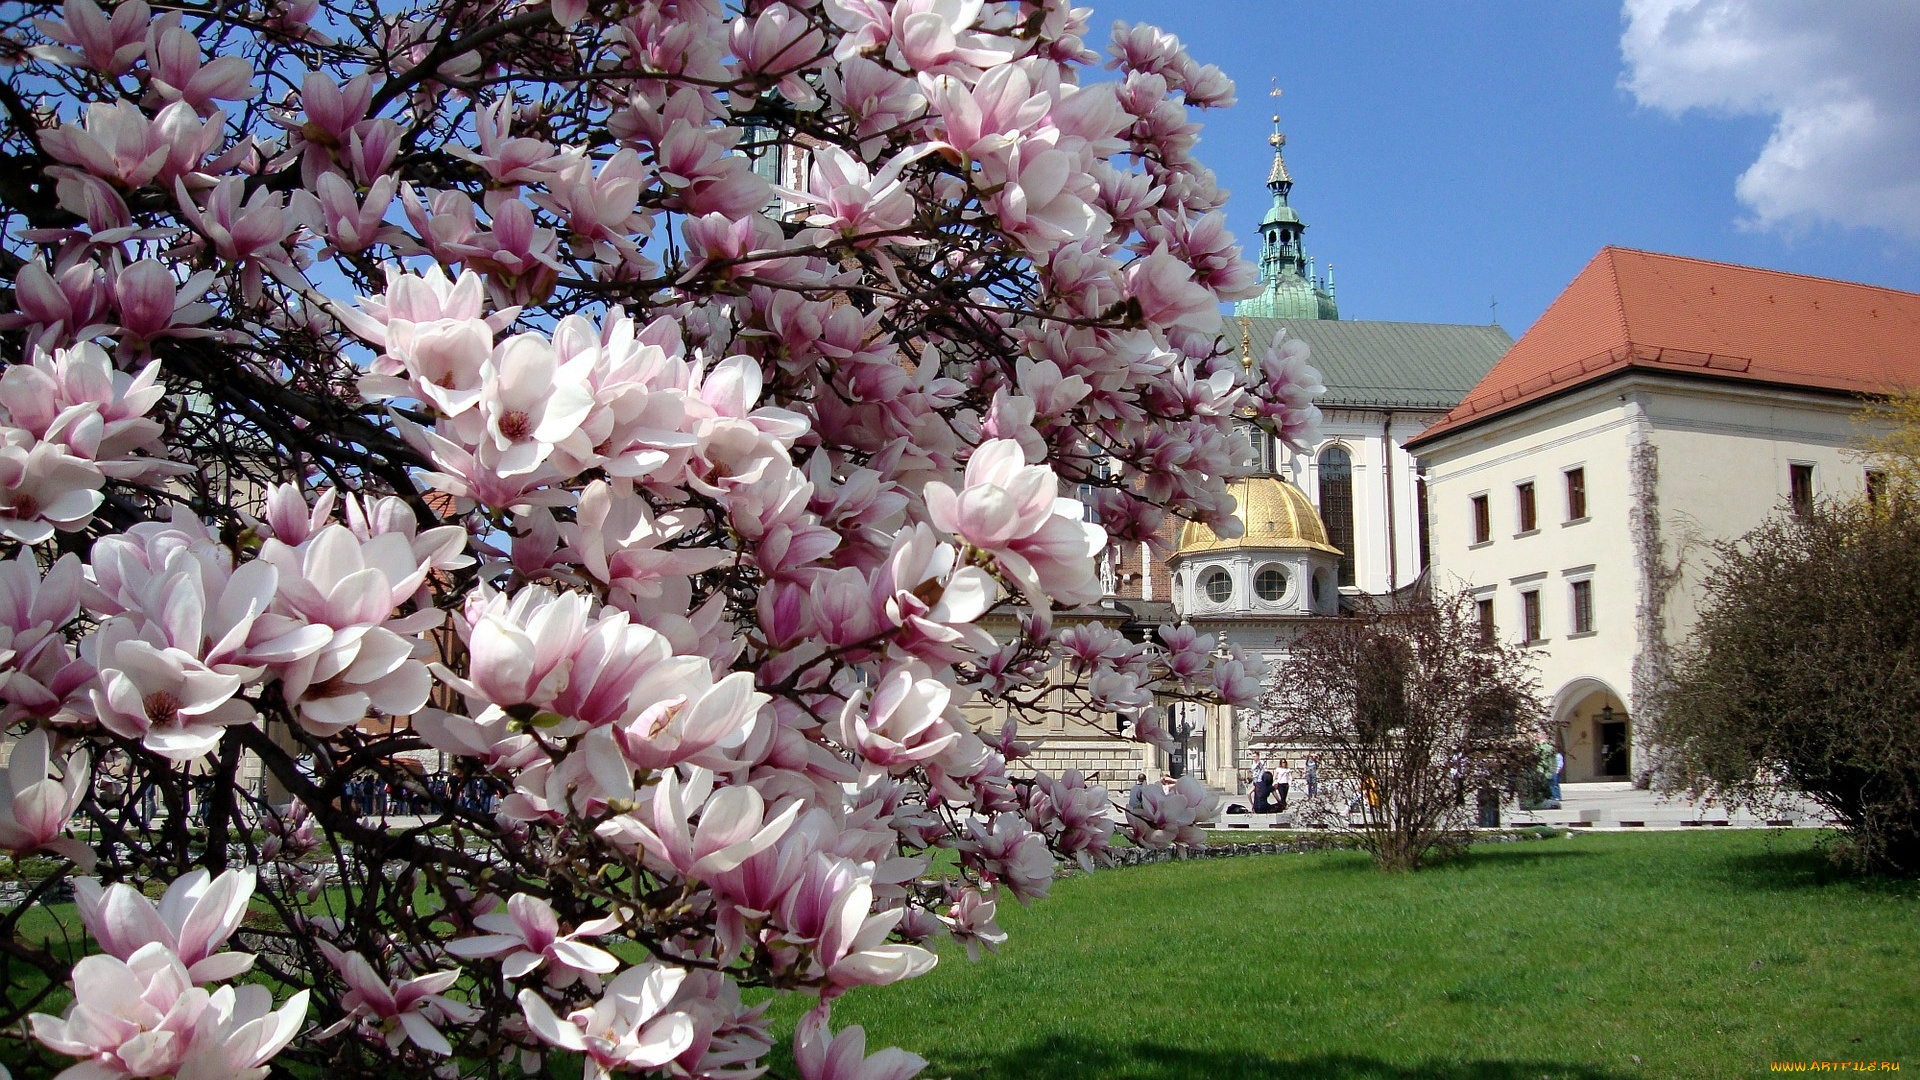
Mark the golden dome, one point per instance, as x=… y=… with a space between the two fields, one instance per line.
x=1274 y=514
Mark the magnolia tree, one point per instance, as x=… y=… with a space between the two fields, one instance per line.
x=629 y=409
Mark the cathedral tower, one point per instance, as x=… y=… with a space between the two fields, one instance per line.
x=1288 y=286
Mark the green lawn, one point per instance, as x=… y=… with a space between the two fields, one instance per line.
x=1701 y=955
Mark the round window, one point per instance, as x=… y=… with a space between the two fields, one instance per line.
x=1219 y=587
x=1270 y=583
x=1316 y=585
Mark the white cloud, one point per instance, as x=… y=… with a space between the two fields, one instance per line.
x=1841 y=78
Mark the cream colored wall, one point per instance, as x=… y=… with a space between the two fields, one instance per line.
x=1589 y=431
x=1722 y=453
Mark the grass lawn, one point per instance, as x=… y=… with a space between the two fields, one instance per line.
x=1670 y=955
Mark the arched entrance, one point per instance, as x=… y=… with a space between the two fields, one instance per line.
x=1596 y=733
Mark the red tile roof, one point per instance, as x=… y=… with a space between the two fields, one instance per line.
x=1637 y=309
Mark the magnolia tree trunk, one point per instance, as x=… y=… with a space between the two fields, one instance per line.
x=1412 y=713
x=498 y=498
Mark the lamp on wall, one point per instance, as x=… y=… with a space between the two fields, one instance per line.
x=1606 y=714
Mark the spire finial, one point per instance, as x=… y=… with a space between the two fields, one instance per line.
x=1277 y=177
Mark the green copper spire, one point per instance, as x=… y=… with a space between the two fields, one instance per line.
x=1289 y=289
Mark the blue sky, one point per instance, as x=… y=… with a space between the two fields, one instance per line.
x=1447 y=154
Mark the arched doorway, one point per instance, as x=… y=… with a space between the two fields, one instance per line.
x=1596 y=734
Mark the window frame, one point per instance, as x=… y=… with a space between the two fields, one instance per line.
x=1526 y=508
x=1532 y=624
x=1338 y=509
x=1482 y=511
x=1484 y=616
x=1207 y=579
x=1286 y=583
x=1580 y=602
x=1801 y=488
x=1576 y=491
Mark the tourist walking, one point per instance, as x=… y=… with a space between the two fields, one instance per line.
x=1282 y=780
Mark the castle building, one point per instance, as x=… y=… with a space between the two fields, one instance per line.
x=1660 y=404
x=1325 y=527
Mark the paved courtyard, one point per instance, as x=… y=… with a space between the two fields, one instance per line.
x=1604 y=806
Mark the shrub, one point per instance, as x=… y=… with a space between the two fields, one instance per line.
x=1803 y=675
x=1412 y=714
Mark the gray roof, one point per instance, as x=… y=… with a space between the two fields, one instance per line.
x=1387 y=364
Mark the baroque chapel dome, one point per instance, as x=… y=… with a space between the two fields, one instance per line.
x=1273 y=514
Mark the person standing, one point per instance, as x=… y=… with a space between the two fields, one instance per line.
x=1137 y=798
x=1559 y=772
x=1313 y=777
x=1282 y=780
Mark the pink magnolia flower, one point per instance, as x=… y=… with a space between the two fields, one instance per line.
x=970 y=920
x=351 y=222
x=505 y=158
x=165 y=696
x=734 y=825
x=531 y=402
x=44 y=487
x=181 y=72
x=779 y=46
x=36 y=799
x=819 y=1054
x=1010 y=852
x=109 y=44
x=1289 y=386
x=1174 y=817
x=241 y=1032
x=58 y=309
x=143 y=1017
x=904 y=723
x=130 y=1018
x=113 y=141
x=1009 y=509
x=527 y=937
x=396 y=1011
x=192 y=921
x=43 y=670
x=1168 y=295
x=851 y=201
x=151 y=305
x=253 y=234
x=831 y=905
x=630 y=1026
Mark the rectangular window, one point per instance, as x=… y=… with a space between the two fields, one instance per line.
x=1876 y=486
x=1530 y=614
x=1426 y=544
x=1483 y=609
x=1482 y=520
x=1523 y=495
x=1576 y=494
x=1800 y=488
x=1583 y=607
x=1086 y=493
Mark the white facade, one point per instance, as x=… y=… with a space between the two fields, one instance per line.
x=1667 y=466
x=1385 y=544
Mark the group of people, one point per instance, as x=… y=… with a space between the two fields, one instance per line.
x=380 y=797
x=1272 y=784
x=1137 y=797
